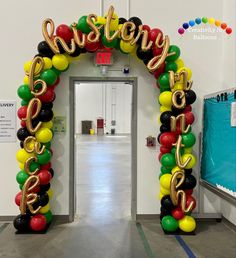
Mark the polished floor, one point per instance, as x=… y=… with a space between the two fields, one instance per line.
x=103 y=227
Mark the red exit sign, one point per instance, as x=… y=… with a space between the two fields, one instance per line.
x=103 y=58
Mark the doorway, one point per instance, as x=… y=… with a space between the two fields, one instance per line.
x=103 y=174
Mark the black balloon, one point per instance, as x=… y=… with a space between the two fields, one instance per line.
x=44 y=188
x=190 y=97
x=35 y=121
x=51 y=171
x=23 y=133
x=189 y=182
x=165 y=212
x=188 y=171
x=122 y=20
x=166 y=203
x=144 y=55
x=176 y=111
x=22 y=144
x=43 y=199
x=158 y=138
x=137 y=22
x=45 y=50
x=21 y=223
x=165 y=117
x=45 y=115
x=48 y=105
x=77 y=52
x=164 y=128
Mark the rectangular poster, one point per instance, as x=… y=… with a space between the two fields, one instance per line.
x=7 y=121
x=218 y=162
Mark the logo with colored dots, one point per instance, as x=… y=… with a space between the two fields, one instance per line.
x=198 y=21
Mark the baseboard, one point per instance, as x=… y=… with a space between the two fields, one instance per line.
x=147 y=216
x=57 y=219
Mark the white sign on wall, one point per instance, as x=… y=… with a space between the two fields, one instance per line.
x=7 y=121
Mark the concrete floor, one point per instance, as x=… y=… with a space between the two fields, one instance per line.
x=103 y=227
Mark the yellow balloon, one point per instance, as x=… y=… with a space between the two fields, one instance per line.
x=44 y=135
x=191 y=163
x=47 y=63
x=44 y=209
x=187 y=150
x=100 y=20
x=186 y=69
x=211 y=20
x=164 y=191
x=165 y=181
x=178 y=86
x=50 y=192
x=126 y=47
x=165 y=98
x=27 y=66
x=60 y=62
x=187 y=224
x=21 y=165
x=180 y=63
x=114 y=22
x=48 y=125
x=22 y=155
x=175 y=169
x=164 y=109
x=26 y=79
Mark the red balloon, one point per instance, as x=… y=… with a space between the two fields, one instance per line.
x=22 y=112
x=177 y=213
x=188 y=108
x=48 y=96
x=92 y=46
x=157 y=51
x=164 y=149
x=18 y=198
x=146 y=27
x=38 y=222
x=178 y=129
x=46 y=166
x=36 y=189
x=44 y=177
x=159 y=71
x=64 y=32
x=23 y=123
x=189 y=118
x=152 y=35
x=189 y=192
x=167 y=139
x=189 y=199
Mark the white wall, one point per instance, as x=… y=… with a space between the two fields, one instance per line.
x=212 y=62
x=110 y=101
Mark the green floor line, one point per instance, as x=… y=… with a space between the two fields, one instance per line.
x=145 y=241
x=3 y=226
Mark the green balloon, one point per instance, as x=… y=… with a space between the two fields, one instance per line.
x=33 y=166
x=173 y=49
x=165 y=170
x=21 y=186
x=204 y=20
x=24 y=92
x=21 y=177
x=163 y=80
x=169 y=223
x=173 y=150
x=111 y=44
x=24 y=102
x=171 y=66
x=48 y=216
x=49 y=76
x=82 y=25
x=57 y=72
x=168 y=160
x=44 y=158
x=117 y=46
x=164 y=88
x=47 y=144
x=188 y=140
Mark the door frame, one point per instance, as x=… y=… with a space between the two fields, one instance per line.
x=72 y=182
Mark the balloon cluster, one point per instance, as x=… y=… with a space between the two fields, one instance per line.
x=176 y=140
x=65 y=44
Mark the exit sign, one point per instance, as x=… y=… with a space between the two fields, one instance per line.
x=103 y=58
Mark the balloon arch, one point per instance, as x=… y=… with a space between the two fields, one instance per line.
x=42 y=75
